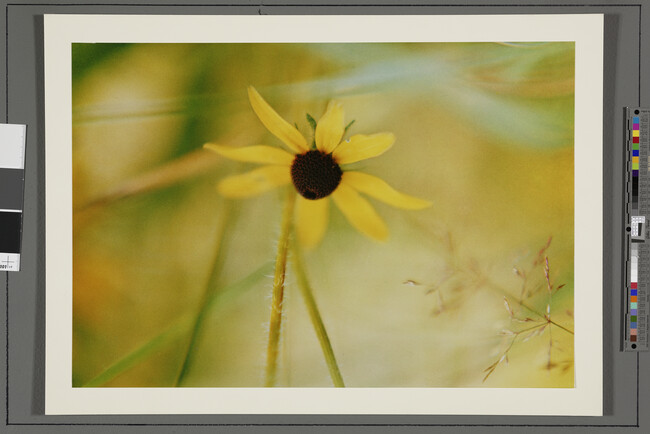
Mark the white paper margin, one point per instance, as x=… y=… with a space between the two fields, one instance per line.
x=587 y=32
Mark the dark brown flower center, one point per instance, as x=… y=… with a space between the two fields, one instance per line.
x=315 y=174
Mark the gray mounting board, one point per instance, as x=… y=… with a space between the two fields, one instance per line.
x=627 y=83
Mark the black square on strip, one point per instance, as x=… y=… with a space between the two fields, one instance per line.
x=10 y=231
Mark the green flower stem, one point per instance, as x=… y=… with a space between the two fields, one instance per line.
x=314 y=315
x=278 y=290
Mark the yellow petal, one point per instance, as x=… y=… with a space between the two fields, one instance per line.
x=379 y=189
x=330 y=128
x=280 y=128
x=253 y=154
x=254 y=182
x=361 y=146
x=311 y=220
x=359 y=212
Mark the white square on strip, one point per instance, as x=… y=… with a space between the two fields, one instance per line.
x=12 y=146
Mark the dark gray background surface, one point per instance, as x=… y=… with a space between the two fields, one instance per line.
x=22 y=306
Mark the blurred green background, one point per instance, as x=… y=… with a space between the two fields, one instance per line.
x=484 y=131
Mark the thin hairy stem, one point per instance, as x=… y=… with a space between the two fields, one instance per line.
x=314 y=315
x=278 y=290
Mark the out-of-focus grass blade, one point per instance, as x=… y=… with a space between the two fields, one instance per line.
x=168 y=336
x=137 y=110
x=180 y=328
x=230 y=213
x=85 y=57
x=403 y=73
x=187 y=166
x=493 y=83
x=513 y=121
x=423 y=70
x=191 y=165
x=514 y=92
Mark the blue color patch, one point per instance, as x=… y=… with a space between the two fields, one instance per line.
x=635 y=153
x=632 y=325
x=633 y=292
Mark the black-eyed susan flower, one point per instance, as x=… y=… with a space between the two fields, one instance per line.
x=316 y=172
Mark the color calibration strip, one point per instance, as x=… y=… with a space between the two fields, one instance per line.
x=635 y=161
x=637 y=252
x=12 y=181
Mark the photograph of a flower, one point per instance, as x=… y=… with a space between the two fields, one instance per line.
x=323 y=214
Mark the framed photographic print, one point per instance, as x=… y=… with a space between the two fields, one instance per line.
x=324 y=214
